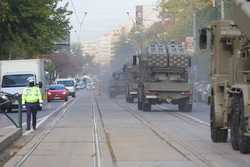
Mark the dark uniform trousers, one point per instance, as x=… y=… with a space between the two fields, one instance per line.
x=32 y=109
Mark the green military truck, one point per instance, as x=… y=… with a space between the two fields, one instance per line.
x=230 y=75
x=164 y=76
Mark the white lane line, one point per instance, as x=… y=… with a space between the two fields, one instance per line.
x=40 y=119
x=41 y=138
x=97 y=157
x=189 y=117
x=194 y=119
x=45 y=118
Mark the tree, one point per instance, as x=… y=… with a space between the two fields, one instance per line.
x=181 y=12
x=29 y=27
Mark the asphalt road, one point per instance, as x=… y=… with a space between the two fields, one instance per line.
x=96 y=131
x=201 y=111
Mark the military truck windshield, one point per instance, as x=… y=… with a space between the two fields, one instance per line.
x=20 y=80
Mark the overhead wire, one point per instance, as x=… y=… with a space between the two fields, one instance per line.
x=75 y=11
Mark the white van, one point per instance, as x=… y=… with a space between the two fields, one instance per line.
x=14 y=76
x=69 y=84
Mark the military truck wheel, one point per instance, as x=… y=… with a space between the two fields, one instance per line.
x=130 y=99
x=185 y=107
x=146 y=107
x=218 y=135
x=244 y=141
x=235 y=123
x=139 y=105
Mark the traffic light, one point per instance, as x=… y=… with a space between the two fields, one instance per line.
x=211 y=3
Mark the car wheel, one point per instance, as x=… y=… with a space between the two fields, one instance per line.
x=66 y=99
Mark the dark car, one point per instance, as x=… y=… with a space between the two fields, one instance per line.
x=5 y=101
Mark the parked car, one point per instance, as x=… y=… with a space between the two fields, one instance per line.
x=57 y=92
x=69 y=84
x=5 y=102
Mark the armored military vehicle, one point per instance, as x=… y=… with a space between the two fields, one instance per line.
x=230 y=75
x=164 y=76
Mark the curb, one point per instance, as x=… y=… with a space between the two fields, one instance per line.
x=9 y=139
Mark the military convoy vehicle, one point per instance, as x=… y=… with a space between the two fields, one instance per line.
x=230 y=75
x=118 y=84
x=132 y=84
x=164 y=76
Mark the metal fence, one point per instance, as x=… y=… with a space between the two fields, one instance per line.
x=6 y=101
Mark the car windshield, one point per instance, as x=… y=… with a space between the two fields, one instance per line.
x=56 y=87
x=21 y=80
x=66 y=82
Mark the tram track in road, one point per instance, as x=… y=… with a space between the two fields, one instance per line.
x=185 y=117
x=106 y=134
x=43 y=135
x=175 y=143
x=96 y=143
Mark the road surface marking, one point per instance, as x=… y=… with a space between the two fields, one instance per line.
x=45 y=118
x=42 y=136
x=97 y=159
x=195 y=119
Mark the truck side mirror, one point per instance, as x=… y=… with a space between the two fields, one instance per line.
x=134 y=60
x=203 y=39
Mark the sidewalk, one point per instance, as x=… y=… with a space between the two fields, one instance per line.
x=8 y=136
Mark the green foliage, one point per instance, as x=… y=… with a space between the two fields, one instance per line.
x=30 y=27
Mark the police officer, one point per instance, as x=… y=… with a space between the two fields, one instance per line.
x=32 y=102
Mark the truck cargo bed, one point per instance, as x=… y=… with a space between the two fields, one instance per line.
x=167 y=86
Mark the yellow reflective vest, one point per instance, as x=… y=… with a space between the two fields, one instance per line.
x=31 y=95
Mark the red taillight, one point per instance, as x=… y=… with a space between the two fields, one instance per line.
x=64 y=93
x=147 y=92
x=49 y=93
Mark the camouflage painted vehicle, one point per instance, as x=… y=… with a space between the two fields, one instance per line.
x=132 y=85
x=164 y=76
x=230 y=75
x=118 y=83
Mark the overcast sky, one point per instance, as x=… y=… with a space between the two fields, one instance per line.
x=102 y=17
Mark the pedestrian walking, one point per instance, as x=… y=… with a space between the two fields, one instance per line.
x=32 y=102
